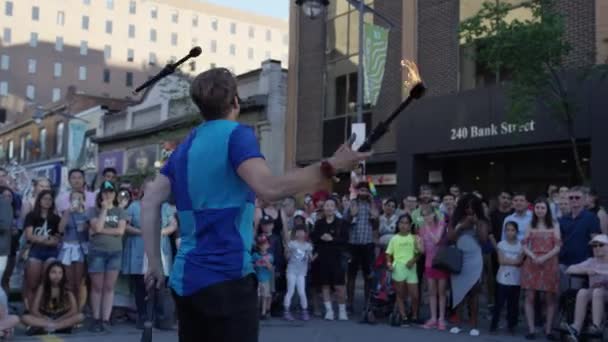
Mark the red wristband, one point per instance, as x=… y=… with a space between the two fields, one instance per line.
x=327 y=170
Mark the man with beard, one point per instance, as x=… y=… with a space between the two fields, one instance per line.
x=425 y=199
x=362 y=217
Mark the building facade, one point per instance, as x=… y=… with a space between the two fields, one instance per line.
x=323 y=70
x=108 y=47
x=138 y=140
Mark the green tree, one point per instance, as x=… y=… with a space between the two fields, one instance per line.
x=532 y=51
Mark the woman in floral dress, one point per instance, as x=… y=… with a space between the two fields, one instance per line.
x=540 y=271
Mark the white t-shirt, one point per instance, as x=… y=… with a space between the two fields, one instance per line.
x=299 y=257
x=509 y=275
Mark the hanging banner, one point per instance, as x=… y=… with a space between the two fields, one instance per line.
x=77 y=130
x=374 y=61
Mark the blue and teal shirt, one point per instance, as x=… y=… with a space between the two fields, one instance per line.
x=214 y=205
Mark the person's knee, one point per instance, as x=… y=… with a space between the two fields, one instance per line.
x=598 y=295
x=96 y=287
x=582 y=294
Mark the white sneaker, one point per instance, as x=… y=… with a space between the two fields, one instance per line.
x=329 y=315
x=455 y=330
x=474 y=332
x=342 y=316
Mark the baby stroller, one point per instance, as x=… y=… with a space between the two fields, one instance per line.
x=381 y=300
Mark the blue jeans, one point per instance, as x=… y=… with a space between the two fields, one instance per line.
x=100 y=262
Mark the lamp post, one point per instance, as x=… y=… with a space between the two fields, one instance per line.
x=313 y=8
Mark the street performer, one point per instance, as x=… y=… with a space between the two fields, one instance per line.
x=214 y=176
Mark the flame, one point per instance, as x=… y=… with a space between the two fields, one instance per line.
x=412 y=76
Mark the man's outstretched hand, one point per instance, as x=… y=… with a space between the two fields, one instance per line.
x=345 y=159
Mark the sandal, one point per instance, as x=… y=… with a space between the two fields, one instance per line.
x=441 y=326
x=430 y=324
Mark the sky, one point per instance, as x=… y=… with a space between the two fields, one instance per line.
x=274 y=8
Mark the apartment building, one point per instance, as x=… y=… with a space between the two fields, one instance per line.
x=108 y=47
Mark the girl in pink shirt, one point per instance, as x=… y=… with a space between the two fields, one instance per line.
x=432 y=232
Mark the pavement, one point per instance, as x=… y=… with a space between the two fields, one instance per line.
x=277 y=330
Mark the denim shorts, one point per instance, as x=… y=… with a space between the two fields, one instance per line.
x=42 y=254
x=100 y=261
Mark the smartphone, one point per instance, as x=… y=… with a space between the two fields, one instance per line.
x=351 y=139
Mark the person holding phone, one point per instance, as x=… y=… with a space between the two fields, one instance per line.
x=215 y=175
x=75 y=230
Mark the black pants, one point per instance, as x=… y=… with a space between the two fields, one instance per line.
x=361 y=258
x=225 y=312
x=509 y=295
x=138 y=287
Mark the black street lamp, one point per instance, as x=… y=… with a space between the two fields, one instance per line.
x=312 y=8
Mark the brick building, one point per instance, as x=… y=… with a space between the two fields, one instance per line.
x=419 y=149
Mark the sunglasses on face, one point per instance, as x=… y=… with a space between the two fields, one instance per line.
x=572 y=198
x=597 y=245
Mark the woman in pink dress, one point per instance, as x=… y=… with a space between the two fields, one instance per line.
x=432 y=232
x=540 y=271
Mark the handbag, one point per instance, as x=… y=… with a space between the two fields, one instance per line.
x=449 y=259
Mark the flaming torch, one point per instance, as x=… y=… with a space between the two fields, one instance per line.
x=413 y=82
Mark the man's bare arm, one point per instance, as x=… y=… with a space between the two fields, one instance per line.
x=155 y=194
x=258 y=176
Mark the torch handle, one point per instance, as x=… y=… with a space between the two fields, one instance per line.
x=383 y=126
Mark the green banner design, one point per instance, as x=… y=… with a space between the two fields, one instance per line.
x=374 y=61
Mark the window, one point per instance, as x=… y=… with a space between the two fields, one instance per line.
x=6 y=36
x=233 y=28
x=3 y=88
x=22 y=148
x=86 y=2
x=11 y=149
x=130 y=55
x=8 y=8
x=232 y=49
x=285 y=39
x=250 y=53
x=268 y=55
x=30 y=92
x=195 y=21
x=193 y=66
x=214 y=24
x=35 y=13
x=85 y=22
x=31 y=66
x=108 y=27
x=213 y=46
x=129 y=80
x=251 y=32
x=132 y=7
x=42 y=141
x=152 y=35
x=59 y=44
x=59 y=136
x=194 y=41
x=154 y=12
x=131 y=31
x=33 y=39
x=5 y=61
x=56 y=94
x=82 y=73
x=212 y=66
x=174 y=39
x=268 y=35
x=107 y=52
x=152 y=58
x=110 y=4
x=84 y=48
x=175 y=17
x=106 y=75
x=60 y=18
x=57 y=70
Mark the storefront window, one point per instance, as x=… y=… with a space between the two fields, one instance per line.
x=59 y=136
x=472 y=73
x=43 y=142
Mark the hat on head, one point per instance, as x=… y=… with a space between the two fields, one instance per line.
x=266 y=220
x=300 y=213
x=107 y=186
x=601 y=238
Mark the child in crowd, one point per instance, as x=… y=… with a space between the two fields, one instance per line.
x=299 y=252
x=402 y=254
x=263 y=264
x=431 y=233
x=596 y=268
x=510 y=257
x=54 y=308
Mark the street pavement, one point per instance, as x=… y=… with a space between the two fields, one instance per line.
x=277 y=330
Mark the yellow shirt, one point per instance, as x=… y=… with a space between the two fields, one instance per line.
x=402 y=248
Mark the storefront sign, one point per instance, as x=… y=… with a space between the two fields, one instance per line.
x=385 y=179
x=504 y=128
x=77 y=130
x=115 y=159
